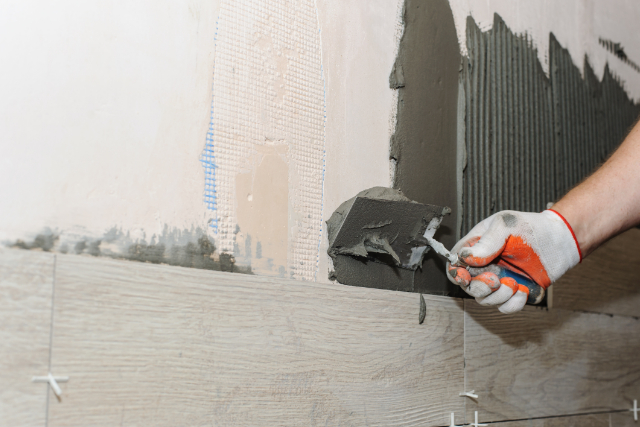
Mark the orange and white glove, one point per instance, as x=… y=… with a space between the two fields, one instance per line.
x=539 y=247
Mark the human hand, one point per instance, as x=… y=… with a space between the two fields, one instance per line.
x=539 y=247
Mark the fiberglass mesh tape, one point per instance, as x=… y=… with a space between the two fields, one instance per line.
x=268 y=90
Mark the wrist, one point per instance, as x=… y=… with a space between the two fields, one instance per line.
x=570 y=229
x=578 y=224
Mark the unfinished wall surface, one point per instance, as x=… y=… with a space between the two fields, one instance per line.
x=264 y=156
x=206 y=134
x=104 y=117
x=111 y=123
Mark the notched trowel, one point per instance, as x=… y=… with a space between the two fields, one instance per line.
x=384 y=226
x=379 y=239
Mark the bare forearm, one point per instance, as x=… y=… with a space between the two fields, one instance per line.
x=608 y=202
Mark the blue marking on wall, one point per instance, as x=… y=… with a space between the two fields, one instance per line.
x=208 y=159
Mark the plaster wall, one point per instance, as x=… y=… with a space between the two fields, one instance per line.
x=105 y=111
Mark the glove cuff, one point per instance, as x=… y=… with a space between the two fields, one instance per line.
x=575 y=239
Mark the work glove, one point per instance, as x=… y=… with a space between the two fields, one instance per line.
x=514 y=257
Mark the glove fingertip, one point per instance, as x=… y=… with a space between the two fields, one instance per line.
x=459 y=276
x=478 y=289
x=469 y=258
x=498 y=297
x=485 y=250
x=515 y=303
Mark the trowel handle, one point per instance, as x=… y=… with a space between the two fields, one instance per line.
x=536 y=292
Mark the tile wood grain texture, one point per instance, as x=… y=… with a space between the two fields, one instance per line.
x=540 y=363
x=157 y=345
x=606 y=281
x=26 y=280
x=623 y=419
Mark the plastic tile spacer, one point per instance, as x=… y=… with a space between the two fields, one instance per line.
x=470 y=394
x=53 y=382
x=635 y=410
x=476 y=424
x=453 y=424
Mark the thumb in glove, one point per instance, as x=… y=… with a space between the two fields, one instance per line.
x=512 y=255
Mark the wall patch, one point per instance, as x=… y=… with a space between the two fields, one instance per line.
x=268 y=91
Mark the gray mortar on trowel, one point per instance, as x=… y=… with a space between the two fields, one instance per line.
x=376 y=239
